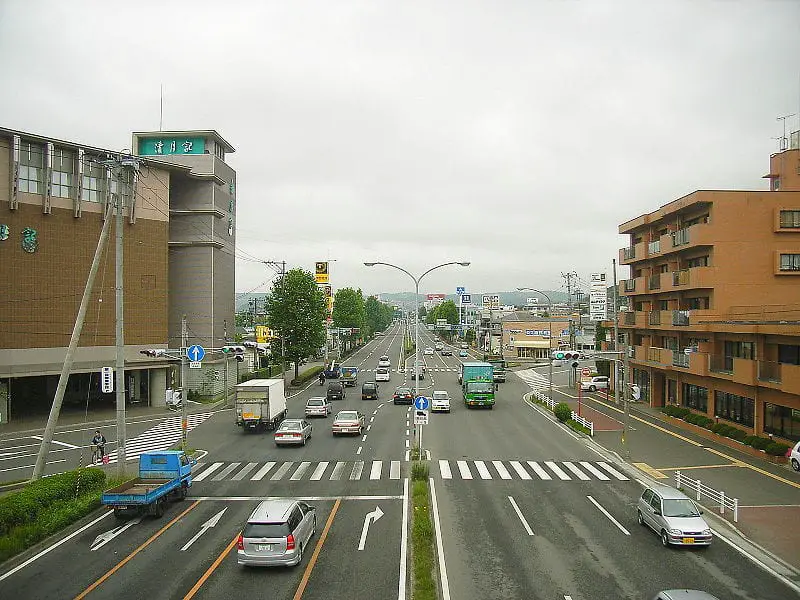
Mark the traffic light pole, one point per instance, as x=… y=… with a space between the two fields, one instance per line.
x=184 y=384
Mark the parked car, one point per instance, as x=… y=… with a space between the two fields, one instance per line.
x=440 y=402
x=276 y=533
x=462 y=354
x=369 y=391
x=293 y=432
x=384 y=361
x=403 y=395
x=428 y=351
x=794 y=457
x=383 y=374
x=318 y=406
x=599 y=382
x=673 y=516
x=348 y=421
x=335 y=391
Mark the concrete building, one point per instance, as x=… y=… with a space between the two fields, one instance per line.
x=527 y=336
x=53 y=200
x=714 y=302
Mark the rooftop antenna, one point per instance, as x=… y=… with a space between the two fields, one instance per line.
x=161 y=112
x=784 y=143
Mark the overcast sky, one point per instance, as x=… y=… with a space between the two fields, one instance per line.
x=516 y=135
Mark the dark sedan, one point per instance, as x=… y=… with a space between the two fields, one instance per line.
x=403 y=395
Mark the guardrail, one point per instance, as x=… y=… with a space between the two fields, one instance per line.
x=718 y=497
x=585 y=422
x=542 y=397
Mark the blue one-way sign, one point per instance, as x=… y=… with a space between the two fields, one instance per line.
x=195 y=353
x=421 y=403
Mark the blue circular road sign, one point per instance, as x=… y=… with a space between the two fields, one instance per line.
x=421 y=403
x=195 y=353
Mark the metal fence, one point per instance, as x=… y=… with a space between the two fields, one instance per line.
x=542 y=397
x=717 y=497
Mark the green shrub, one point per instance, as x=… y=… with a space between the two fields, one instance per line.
x=776 y=449
x=307 y=375
x=738 y=434
x=419 y=470
x=562 y=412
x=578 y=427
x=422 y=544
x=761 y=443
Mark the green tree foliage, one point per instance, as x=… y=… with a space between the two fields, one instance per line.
x=422 y=312
x=469 y=336
x=378 y=315
x=296 y=308
x=446 y=310
x=599 y=335
x=349 y=310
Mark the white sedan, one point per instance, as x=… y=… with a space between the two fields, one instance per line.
x=383 y=374
x=440 y=402
x=428 y=351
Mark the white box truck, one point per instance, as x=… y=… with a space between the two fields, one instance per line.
x=260 y=404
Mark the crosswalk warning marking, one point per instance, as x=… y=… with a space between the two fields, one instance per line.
x=208 y=471
x=482 y=470
x=581 y=475
x=375 y=472
x=594 y=471
x=319 y=471
x=336 y=474
x=298 y=474
x=225 y=472
x=523 y=474
x=539 y=470
x=282 y=470
x=394 y=470
x=557 y=470
x=444 y=469
x=358 y=467
x=464 y=469
x=613 y=471
x=262 y=471
x=501 y=468
x=241 y=474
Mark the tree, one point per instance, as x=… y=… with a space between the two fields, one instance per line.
x=600 y=333
x=348 y=309
x=422 y=312
x=447 y=311
x=378 y=315
x=469 y=337
x=296 y=308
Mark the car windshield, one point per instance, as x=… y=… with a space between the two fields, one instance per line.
x=480 y=387
x=315 y=401
x=265 y=530
x=383 y=370
x=403 y=391
x=347 y=415
x=290 y=426
x=439 y=395
x=682 y=507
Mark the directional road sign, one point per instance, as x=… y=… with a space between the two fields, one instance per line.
x=460 y=290
x=422 y=403
x=107 y=380
x=195 y=353
x=420 y=417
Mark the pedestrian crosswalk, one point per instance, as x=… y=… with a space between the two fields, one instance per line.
x=161 y=437
x=534 y=379
x=376 y=470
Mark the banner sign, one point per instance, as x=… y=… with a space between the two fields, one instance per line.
x=321 y=272
x=491 y=301
x=598 y=297
x=466 y=299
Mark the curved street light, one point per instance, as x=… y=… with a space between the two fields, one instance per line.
x=416 y=281
x=550 y=338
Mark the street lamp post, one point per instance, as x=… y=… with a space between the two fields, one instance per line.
x=549 y=340
x=416 y=281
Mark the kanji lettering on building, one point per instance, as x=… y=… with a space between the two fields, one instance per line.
x=187 y=146
x=159 y=147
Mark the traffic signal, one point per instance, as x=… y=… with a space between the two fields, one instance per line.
x=250 y=344
x=153 y=353
x=565 y=355
x=237 y=351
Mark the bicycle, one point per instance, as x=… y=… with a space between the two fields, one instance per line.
x=97 y=453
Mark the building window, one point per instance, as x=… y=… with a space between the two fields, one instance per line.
x=62 y=178
x=91 y=189
x=700 y=261
x=782 y=421
x=790 y=262
x=734 y=408
x=695 y=396
x=30 y=167
x=789 y=355
x=697 y=303
x=776 y=184
x=790 y=218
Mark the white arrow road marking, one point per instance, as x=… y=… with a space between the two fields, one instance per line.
x=371 y=517
x=212 y=522
x=102 y=539
x=37 y=437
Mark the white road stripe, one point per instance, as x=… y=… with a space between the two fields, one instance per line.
x=606 y=513
x=262 y=471
x=482 y=470
x=444 y=469
x=300 y=471
x=375 y=472
x=521 y=517
x=207 y=472
x=557 y=470
x=464 y=469
x=523 y=474
x=241 y=474
x=319 y=471
x=581 y=475
x=358 y=467
x=394 y=470
x=594 y=471
x=501 y=468
x=336 y=474
x=282 y=470
x=358 y=451
x=539 y=470
x=613 y=471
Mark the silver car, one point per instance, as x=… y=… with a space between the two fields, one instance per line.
x=318 y=406
x=276 y=534
x=673 y=516
x=293 y=432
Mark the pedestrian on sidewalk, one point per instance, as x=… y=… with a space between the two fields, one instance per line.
x=99 y=443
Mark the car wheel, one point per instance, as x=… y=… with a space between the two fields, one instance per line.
x=664 y=538
x=639 y=518
x=795 y=464
x=592 y=388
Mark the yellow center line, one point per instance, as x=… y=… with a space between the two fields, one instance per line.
x=757 y=469
x=130 y=556
x=211 y=569
x=307 y=573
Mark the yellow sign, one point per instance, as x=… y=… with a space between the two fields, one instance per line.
x=264 y=334
x=330 y=304
x=321 y=272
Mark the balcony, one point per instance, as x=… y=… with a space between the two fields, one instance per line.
x=662 y=356
x=680 y=238
x=680 y=359
x=654 y=282
x=629 y=253
x=720 y=364
x=769 y=371
x=738 y=370
x=629 y=318
x=654 y=317
x=629 y=285
x=694 y=278
x=632 y=254
x=654 y=248
x=680 y=318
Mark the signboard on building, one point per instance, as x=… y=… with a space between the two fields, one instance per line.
x=466 y=299
x=264 y=334
x=441 y=322
x=321 y=272
x=436 y=297
x=163 y=146
x=598 y=297
x=491 y=301
x=531 y=301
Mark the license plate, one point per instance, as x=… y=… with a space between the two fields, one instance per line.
x=263 y=547
x=688 y=540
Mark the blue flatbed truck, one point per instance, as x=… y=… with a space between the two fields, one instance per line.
x=163 y=476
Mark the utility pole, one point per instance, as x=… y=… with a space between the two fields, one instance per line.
x=616 y=331
x=225 y=360
x=120 y=336
x=185 y=383
x=625 y=386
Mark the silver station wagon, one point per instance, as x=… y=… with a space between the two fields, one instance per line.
x=277 y=533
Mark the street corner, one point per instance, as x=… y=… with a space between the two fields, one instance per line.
x=602 y=422
x=776 y=527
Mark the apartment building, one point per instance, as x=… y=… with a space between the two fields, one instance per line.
x=713 y=319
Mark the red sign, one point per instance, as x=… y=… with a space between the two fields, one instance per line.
x=437 y=296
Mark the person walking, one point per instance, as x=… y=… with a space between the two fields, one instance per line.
x=99 y=443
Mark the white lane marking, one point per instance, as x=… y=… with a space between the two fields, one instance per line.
x=381 y=404
x=408 y=453
x=212 y=522
x=581 y=475
x=358 y=450
x=521 y=517
x=241 y=474
x=375 y=472
x=282 y=470
x=557 y=470
x=207 y=472
x=49 y=462
x=610 y=518
x=371 y=419
x=594 y=471
x=482 y=470
x=102 y=539
x=368 y=428
x=358 y=467
x=408 y=432
x=56 y=545
x=439 y=545
x=374 y=412
x=463 y=468
x=613 y=471
x=408 y=409
x=364 y=438
x=226 y=471
x=523 y=474
x=394 y=470
x=408 y=443
x=501 y=468
x=300 y=471
x=37 y=437
x=319 y=471
x=539 y=470
x=444 y=469
x=401 y=586
x=262 y=471
x=336 y=474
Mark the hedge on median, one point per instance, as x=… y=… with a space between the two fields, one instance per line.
x=307 y=375
x=723 y=429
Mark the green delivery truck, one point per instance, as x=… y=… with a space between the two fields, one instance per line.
x=477 y=383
